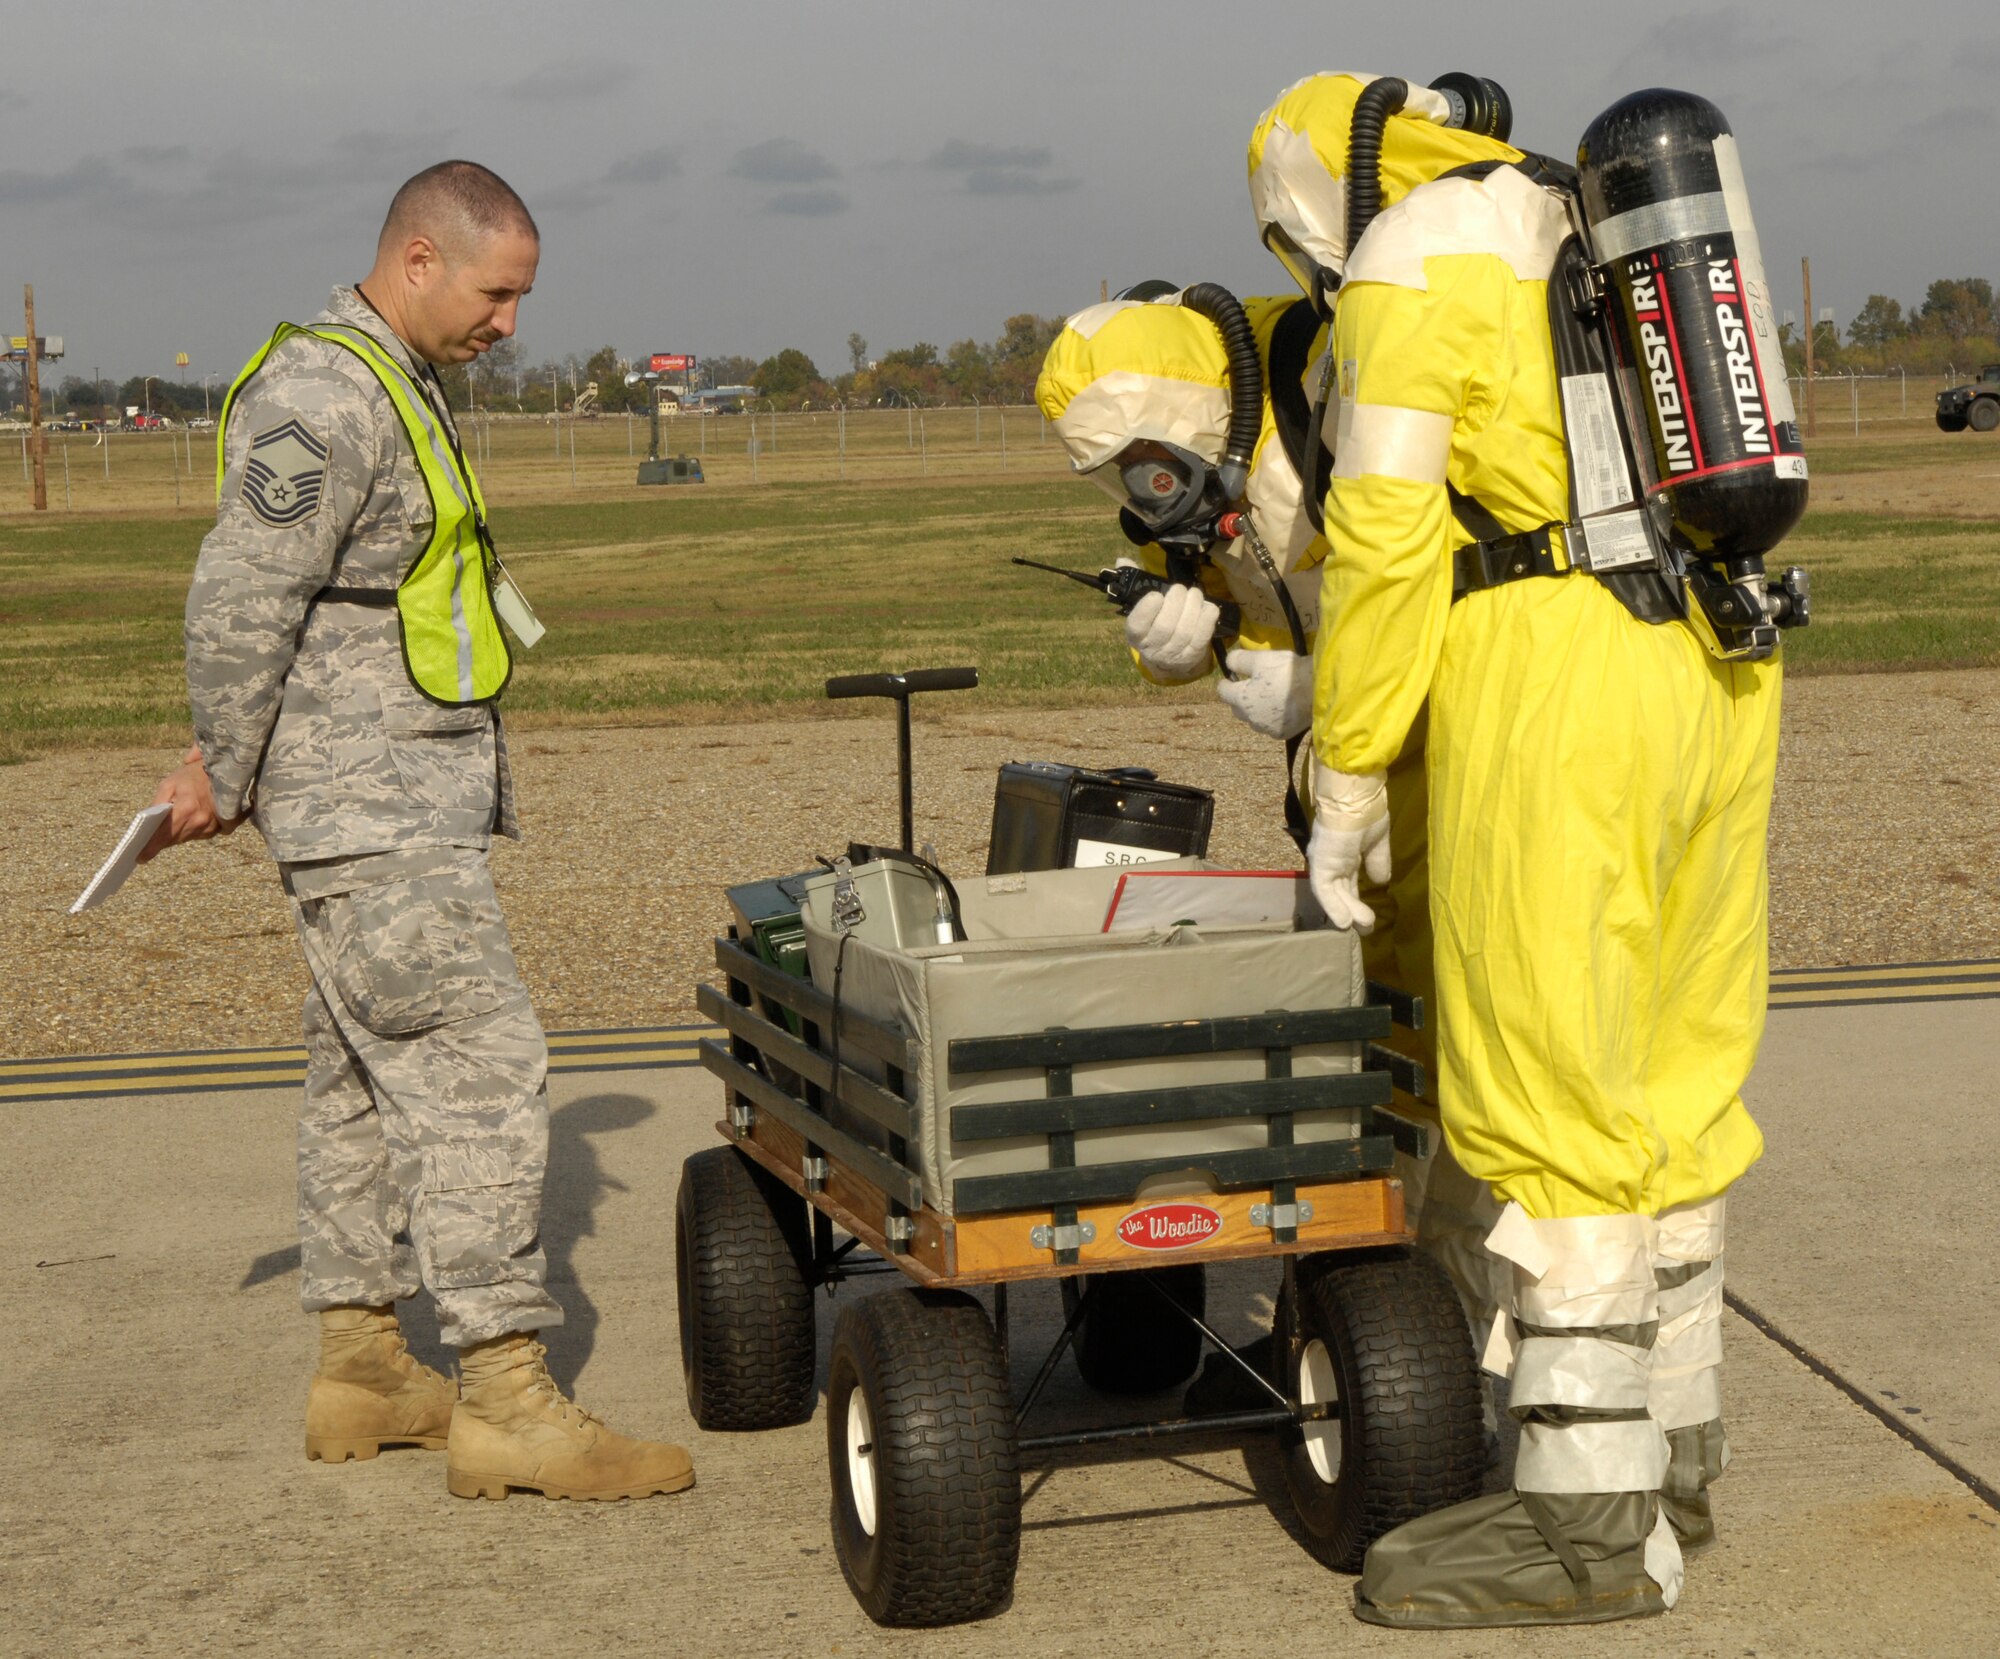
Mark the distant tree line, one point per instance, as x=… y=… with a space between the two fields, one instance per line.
x=505 y=380
x=1955 y=328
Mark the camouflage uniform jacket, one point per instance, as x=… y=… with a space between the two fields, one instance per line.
x=304 y=712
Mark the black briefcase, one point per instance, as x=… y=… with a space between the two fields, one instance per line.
x=1047 y=816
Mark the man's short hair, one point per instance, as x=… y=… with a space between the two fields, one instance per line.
x=457 y=204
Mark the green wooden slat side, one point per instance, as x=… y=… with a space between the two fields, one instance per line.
x=857 y=1093
x=1255 y=1166
x=1161 y=1039
x=864 y=1160
x=1411 y=1135
x=1407 y=1010
x=1135 y=1108
x=1405 y=1073
x=808 y=1001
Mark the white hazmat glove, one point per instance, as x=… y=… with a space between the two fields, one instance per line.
x=1275 y=695
x=1171 y=632
x=1350 y=834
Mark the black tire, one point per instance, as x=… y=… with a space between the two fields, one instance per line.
x=920 y=1437
x=1388 y=1334
x=742 y=1247
x=1129 y=1342
x=1950 y=423
x=1984 y=415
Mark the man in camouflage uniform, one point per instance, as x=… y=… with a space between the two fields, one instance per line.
x=424 y=1131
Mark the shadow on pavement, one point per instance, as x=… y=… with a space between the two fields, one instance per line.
x=577 y=1181
x=273 y=1264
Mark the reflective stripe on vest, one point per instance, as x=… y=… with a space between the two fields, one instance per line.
x=452 y=644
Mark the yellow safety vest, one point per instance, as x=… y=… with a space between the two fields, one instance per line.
x=453 y=647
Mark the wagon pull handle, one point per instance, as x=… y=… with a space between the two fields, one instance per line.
x=902 y=687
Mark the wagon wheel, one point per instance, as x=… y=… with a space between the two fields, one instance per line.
x=742 y=1243
x=1383 y=1339
x=920 y=1433
x=1131 y=1342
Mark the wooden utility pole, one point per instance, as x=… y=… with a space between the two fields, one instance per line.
x=36 y=442
x=1812 y=403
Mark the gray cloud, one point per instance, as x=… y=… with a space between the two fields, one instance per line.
x=173 y=190
x=87 y=179
x=562 y=201
x=11 y=100
x=1714 y=40
x=808 y=204
x=782 y=161
x=571 y=79
x=956 y=155
x=998 y=169
x=1910 y=143
x=653 y=166
x=1013 y=181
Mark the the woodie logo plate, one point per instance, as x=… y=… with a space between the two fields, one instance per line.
x=1169 y=1226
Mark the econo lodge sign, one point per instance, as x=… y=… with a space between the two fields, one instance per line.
x=1169 y=1226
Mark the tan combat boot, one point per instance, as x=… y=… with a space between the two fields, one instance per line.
x=514 y=1428
x=369 y=1392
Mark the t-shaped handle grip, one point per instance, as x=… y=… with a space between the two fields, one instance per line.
x=902 y=687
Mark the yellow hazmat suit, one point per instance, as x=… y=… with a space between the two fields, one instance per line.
x=1131 y=369
x=1599 y=799
x=1600 y=787
x=1126 y=370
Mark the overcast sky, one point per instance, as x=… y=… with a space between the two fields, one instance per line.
x=745 y=176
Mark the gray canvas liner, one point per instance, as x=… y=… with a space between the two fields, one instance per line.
x=1035 y=960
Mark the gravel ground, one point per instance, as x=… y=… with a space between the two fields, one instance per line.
x=1884 y=849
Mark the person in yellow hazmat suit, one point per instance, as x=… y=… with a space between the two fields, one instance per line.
x=1145 y=371
x=1599 y=798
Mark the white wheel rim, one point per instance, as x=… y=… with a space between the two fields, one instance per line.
x=1319 y=1384
x=861 y=1460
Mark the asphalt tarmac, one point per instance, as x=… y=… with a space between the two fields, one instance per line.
x=155 y=1499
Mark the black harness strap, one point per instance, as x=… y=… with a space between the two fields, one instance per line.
x=385 y=597
x=1487 y=564
x=1291 y=409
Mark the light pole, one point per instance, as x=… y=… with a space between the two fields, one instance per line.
x=976 y=412
x=205 y=379
x=146 y=392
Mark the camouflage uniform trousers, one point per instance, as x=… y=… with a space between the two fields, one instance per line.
x=423 y=1137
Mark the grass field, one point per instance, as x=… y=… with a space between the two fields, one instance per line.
x=738 y=598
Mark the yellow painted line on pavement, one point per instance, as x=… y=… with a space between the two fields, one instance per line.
x=98 y=1077
x=1912 y=972
x=1903 y=982
x=617 y=1048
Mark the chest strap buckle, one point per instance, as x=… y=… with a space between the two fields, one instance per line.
x=1488 y=564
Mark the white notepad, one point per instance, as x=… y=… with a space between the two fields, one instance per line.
x=123 y=861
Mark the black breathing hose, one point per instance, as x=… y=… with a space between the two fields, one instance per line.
x=1246 y=380
x=1378 y=101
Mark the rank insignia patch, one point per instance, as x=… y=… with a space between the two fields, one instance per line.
x=285 y=475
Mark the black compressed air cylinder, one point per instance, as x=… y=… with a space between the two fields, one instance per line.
x=1700 y=366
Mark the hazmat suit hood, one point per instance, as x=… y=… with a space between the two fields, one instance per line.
x=1298 y=168
x=1152 y=369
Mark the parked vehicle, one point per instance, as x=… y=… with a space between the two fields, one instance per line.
x=1976 y=405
